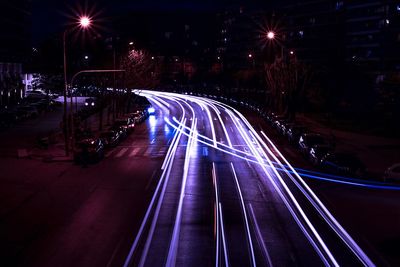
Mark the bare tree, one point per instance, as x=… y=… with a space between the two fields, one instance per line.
x=287 y=82
x=141 y=69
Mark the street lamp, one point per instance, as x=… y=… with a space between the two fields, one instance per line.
x=84 y=22
x=270 y=35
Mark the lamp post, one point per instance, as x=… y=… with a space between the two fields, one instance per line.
x=84 y=22
x=271 y=35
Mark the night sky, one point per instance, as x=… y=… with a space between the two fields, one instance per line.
x=49 y=16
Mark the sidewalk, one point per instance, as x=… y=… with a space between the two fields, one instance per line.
x=377 y=153
x=55 y=152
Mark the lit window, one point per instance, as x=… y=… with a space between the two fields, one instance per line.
x=339 y=5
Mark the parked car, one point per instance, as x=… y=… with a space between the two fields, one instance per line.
x=392 y=173
x=276 y=123
x=127 y=123
x=41 y=106
x=345 y=164
x=294 y=132
x=36 y=94
x=138 y=116
x=308 y=140
x=88 y=150
x=271 y=117
x=122 y=131
x=110 y=138
x=318 y=152
x=284 y=127
x=28 y=111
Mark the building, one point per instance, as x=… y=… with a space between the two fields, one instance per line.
x=14 y=49
x=364 y=33
x=314 y=31
x=373 y=34
x=239 y=40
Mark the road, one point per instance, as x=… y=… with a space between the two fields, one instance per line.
x=227 y=196
x=195 y=185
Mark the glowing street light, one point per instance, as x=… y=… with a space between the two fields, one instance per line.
x=85 y=21
x=130 y=43
x=271 y=35
x=250 y=55
x=291 y=52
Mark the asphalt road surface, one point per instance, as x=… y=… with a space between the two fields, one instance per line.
x=195 y=185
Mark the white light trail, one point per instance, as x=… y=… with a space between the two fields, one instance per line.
x=250 y=240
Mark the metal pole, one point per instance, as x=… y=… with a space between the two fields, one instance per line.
x=65 y=127
x=113 y=102
x=71 y=112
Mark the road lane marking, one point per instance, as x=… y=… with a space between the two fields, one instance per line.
x=134 y=152
x=223 y=236
x=253 y=259
x=121 y=152
x=216 y=216
x=148 y=152
x=162 y=150
x=260 y=238
x=174 y=243
x=109 y=153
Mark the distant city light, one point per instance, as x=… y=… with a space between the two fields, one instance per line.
x=271 y=35
x=152 y=58
x=250 y=55
x=291 y=52
x=387 y=21
x=130 y=43
x=86 y=57
x=218 y=58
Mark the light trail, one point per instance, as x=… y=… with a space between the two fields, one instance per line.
x=167 y=162
x=258 y=155
x=250 y=240
x=171 y=151
x=171 y=259
x=158 y=207
x=322 y=249
x=260 y=238
x=216 y=216
x=302 y=172
x=341 y=232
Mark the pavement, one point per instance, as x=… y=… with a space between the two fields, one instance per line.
x=55 y=151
